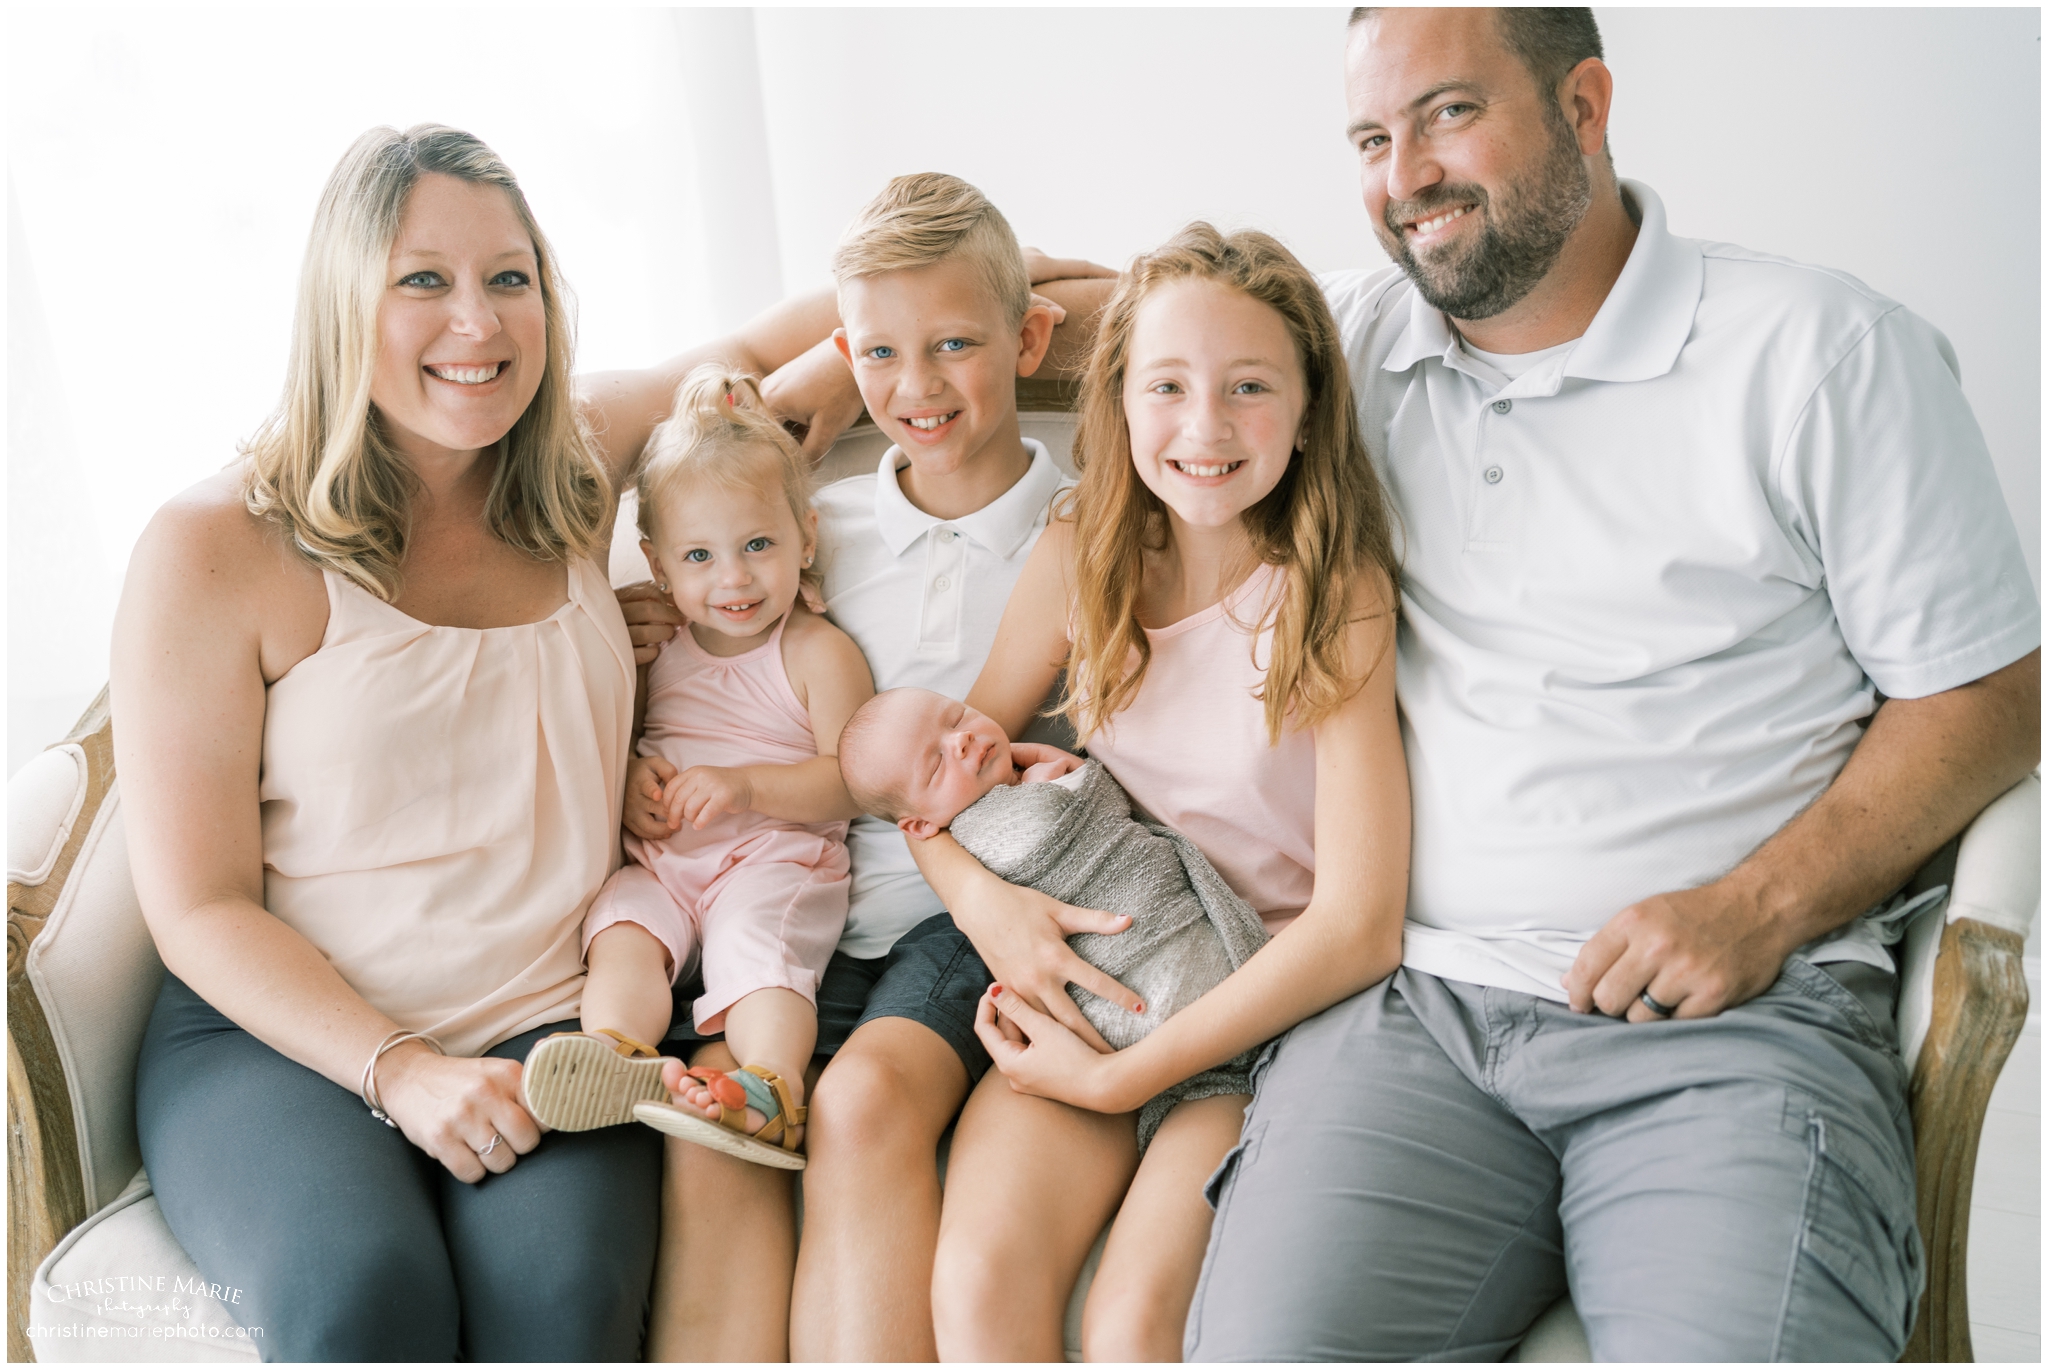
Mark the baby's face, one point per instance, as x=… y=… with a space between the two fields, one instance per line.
x=948 y=756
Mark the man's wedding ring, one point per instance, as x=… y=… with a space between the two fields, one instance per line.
x=1653 y=1006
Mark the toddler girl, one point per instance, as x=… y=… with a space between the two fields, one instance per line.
x=744 y=711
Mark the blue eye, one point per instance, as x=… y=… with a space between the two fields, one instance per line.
x=953 y=345
x=697 y=554
x=1251 y=388
x=514 y=279
x=421 y=280
x=881 y=354
x=758 y=544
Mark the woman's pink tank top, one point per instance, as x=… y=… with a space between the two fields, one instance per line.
x=705 y=710
x=440 y=805
x=1192 y=751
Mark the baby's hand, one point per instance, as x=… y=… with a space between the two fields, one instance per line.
x=646 y=815
x=1037 y=761
x=702 y=793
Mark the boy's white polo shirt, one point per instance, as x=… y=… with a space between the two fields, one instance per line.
x=921 y=597
x=1653 y=584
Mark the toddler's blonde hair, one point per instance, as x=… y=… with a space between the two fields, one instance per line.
x=928 y=217
x=720 y=431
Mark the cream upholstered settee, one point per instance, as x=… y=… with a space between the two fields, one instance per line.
x=94 y=1274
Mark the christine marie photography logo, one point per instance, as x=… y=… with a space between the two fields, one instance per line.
x=157 y=1307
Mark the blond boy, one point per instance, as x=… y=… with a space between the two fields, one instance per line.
x=918 y=559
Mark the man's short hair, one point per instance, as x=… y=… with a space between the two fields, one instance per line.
x=928 y=217
x=1549 y=42
x=858 y=760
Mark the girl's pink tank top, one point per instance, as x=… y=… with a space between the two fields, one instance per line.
x=1193 y=753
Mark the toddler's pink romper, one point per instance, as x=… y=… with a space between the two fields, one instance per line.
x=763 y=900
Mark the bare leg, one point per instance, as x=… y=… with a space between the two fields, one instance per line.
x=1029 y=1186
x=871 y=1196
x=1138 y=1305
x=728 y=1245
x=627 y=989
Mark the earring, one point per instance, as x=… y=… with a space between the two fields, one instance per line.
x=661 y=585
x=807 y=563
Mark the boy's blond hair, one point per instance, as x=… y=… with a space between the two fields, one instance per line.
x=928 y=217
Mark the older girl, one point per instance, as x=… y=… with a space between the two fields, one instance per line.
x=372 y=697
x=1221 y=595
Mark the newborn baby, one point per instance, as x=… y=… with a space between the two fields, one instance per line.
x=1063 y=827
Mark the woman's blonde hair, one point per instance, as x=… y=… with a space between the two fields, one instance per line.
x=720 y=431
x=322 y=466
x=1325 y=525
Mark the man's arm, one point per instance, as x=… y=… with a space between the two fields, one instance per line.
x=1924 y=769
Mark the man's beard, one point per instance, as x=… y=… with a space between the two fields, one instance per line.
x=1517 y=245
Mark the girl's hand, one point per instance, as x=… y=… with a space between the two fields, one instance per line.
x=1022 y=937
x=647 y=816
x=1038 y=1056
x=651 y=618
x=702 y=793
x=452 y=1106
x=1038 y=761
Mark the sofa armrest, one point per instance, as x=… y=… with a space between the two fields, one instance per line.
x=45 y=1181
x=1978 y=1006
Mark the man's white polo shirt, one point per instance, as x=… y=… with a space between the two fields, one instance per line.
x=1653 y=584
x=921 y=597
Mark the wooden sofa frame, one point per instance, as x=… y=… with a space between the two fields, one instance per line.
x=1980 y=1005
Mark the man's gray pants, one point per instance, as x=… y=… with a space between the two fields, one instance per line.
x=1428 y=1165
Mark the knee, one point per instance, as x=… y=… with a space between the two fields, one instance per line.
x=1132 y=1320
x=867 y=1105
x=971 y=1283
x=359 y=1301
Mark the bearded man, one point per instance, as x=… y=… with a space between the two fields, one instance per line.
x=1714 y=627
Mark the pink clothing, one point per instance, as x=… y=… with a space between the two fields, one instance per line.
x=1192 y=751
x=440 y=805
x=761 y=899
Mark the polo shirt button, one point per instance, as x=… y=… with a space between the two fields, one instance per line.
x=1493 y=473
x=942 y=583
x=1502 y=406
x=949 y=535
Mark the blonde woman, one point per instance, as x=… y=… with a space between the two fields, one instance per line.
x=373 y=696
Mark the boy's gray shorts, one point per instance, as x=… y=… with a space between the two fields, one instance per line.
x=1427 y=1166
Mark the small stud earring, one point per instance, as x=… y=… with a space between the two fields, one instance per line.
x=661 y=585
x=807 y=562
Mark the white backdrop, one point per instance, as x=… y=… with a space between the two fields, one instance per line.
x=691 y=165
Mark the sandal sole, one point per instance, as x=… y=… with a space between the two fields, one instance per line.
x=575 y=1084
x=691 y=1127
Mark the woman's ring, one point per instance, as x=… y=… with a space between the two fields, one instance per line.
x=1653 y=1006
x=491 y=1145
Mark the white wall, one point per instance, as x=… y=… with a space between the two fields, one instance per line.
x=163 y=167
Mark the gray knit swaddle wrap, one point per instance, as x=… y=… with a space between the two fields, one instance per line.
x=1188 y=930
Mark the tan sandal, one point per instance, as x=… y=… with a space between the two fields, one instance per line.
x=756 y=1087
x=576 y=1081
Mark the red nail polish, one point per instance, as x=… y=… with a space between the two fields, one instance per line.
x=995 y=990
x=1139 y=1009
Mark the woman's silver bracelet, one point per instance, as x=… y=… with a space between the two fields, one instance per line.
x=371 y=1099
